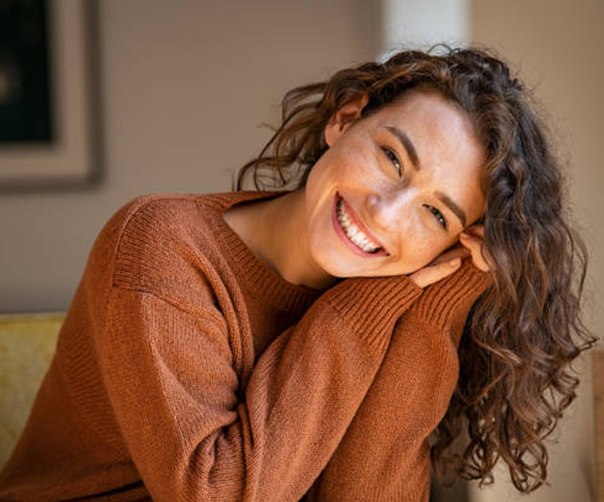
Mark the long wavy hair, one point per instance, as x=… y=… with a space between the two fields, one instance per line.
x=522 y=334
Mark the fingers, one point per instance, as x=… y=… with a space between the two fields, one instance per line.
x=456 y=252
x=472 y=239
x=475 y=230
x=435 y=272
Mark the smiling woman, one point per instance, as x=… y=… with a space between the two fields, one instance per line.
x=467 y=147
x=406 y=195
x=328 y=342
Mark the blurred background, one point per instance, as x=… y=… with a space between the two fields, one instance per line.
x=171 y=96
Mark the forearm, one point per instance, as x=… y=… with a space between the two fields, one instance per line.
x=301 y=396
x=384 y=454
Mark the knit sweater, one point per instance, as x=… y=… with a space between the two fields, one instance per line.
x=188 y=369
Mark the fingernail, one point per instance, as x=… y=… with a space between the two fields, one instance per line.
x=455 y=262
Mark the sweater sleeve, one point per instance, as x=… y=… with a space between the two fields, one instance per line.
x=190 y=431
x=385 y=453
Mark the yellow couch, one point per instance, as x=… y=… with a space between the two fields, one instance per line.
x=27 y=343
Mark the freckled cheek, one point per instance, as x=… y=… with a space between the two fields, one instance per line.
x=332 y=170
x=418 y=246
x=352 y=163
x=349 y=171
x=355 y=162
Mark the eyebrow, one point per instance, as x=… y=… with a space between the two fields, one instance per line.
x=406 y=143
x=412 y=154
x=455 y=209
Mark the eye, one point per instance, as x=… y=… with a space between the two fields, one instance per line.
x=442 y=221
x=393 y=158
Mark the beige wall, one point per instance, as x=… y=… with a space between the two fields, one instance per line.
x=558 y=47
x=185 y=86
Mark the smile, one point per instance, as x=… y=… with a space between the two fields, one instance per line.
x=348 y=228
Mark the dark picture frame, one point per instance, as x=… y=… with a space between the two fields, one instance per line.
x=50 y=141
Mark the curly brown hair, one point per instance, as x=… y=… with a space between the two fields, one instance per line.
x=522 y=334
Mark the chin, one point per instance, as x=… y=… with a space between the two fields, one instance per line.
x=340 y=268
x=332 y=264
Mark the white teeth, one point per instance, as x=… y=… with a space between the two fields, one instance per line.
x=353 y=232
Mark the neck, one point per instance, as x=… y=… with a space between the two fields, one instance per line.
x=275 y=231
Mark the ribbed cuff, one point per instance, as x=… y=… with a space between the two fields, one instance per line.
x=442 y=301
x=371 y=305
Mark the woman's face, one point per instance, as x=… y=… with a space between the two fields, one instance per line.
x=394 y=190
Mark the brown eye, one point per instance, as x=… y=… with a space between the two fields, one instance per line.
x=394 y=160
x=442 y=221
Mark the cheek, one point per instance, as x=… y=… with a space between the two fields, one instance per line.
x=320 y=176
x=420 y=246
x=422 y=253
x=350 y=162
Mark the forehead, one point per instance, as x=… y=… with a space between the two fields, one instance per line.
x=432 y=122
x=426 y=108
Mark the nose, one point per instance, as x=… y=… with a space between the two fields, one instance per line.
x=388 y=210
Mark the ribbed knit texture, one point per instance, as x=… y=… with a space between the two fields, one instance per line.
x=187 y=369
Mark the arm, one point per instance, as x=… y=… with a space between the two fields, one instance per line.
x=170 y=377
x=384 y=454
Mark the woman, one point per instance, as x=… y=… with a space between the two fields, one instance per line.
x=306 y=344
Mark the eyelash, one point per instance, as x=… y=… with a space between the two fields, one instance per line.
x=394 y=160
x=398 y=165
x=442 y=221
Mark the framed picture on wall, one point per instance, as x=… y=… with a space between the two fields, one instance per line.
x=49 y=100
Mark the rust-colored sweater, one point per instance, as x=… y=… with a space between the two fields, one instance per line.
x=187 y=369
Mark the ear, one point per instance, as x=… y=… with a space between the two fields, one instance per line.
x=343 y=118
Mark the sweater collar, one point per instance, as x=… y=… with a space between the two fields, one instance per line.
x=250 y=269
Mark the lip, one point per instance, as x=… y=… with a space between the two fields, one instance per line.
x=342 y=234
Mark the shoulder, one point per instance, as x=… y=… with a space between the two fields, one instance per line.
x=161 y=243
x=173 y=215
x=157 y=219
x=144 y=222
x=142 y=212
x=170 y=245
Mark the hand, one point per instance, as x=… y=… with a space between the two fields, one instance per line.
x=443 y=266
x=472 y=239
